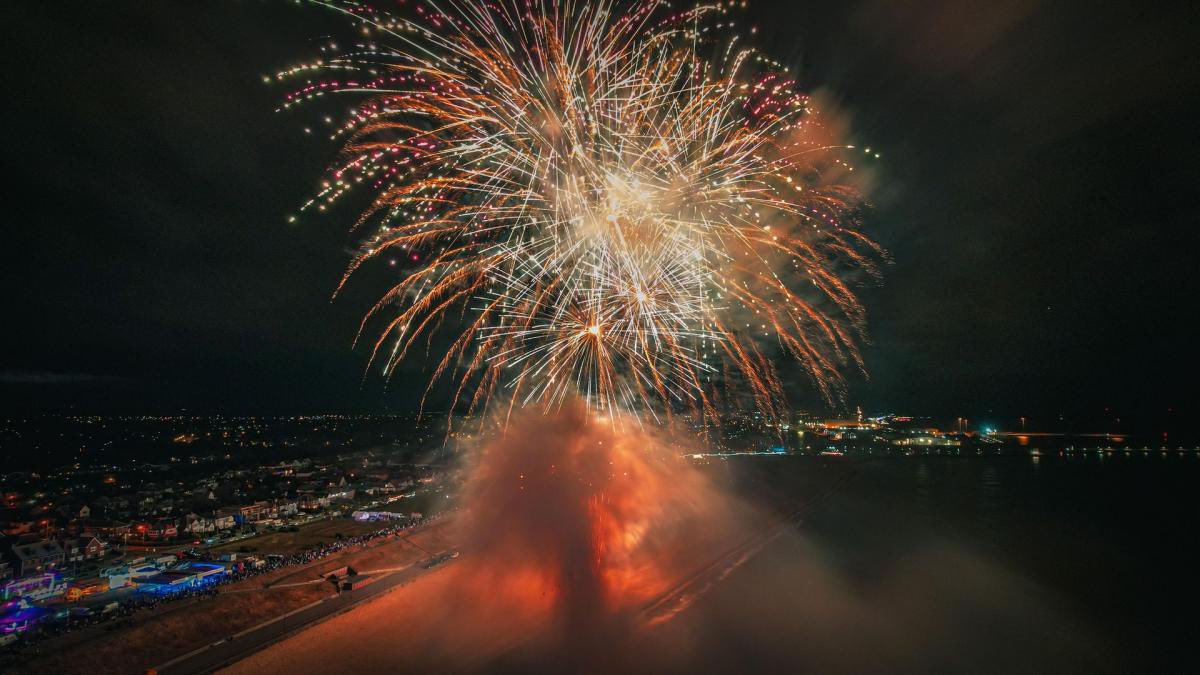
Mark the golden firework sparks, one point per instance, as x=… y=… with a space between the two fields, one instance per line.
x=620 y=202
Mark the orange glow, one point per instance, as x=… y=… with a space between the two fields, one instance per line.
x=581 y=519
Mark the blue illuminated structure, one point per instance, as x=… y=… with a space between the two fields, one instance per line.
x=183 y=577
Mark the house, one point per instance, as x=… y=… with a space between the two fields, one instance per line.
x=225 y=518
x=381 y=487
x=254 y=512
x=37 y=557
x=287 y=507
x=314 y=501
x=195 y=523
x=104 y=529
x=85 y=548
x=163 y=528
x=93 y=547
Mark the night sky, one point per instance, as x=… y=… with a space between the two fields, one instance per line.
x=1037 y=190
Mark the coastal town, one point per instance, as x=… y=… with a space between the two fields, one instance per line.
x=178 y=532
x=107 y=535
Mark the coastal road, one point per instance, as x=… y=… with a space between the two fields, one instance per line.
x=679 y=596
x=240 y=645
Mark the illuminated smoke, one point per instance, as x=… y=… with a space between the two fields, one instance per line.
x=570 y=526
x=597 y=516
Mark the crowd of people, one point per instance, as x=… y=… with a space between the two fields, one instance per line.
x=317 y=552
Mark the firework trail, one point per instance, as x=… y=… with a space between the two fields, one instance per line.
x=615 y=201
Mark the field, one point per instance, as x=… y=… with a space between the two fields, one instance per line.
x=309 y=534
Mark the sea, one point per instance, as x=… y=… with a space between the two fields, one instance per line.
x=1042 y=561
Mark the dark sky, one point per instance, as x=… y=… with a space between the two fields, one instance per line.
x=1037 y=191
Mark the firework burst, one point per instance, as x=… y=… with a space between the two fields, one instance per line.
x=615 y=201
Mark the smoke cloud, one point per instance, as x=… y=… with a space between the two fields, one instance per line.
x=577 y=523
x=595 y=547
x=591 y=545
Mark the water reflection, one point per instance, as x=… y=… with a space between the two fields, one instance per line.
x=989 y=503
x=1031 y=562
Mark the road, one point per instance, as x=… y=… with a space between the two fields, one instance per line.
x=679 y=596
x=236 y=647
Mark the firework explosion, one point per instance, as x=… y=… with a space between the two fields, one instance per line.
x=619 y=202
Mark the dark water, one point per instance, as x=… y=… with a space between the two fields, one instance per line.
x=941 y=564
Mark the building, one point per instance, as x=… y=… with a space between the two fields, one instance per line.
x=182 y=577
x=38 y=557
x=354 y=581
x=83 y=548
x=162 y=529
x=111 y=530
x=286 y=507
x=226 y=515
x=314 y=501
x=254 y=512
x=118 y=576
x=846 y=425
x=195 y=523
x=932 y=439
